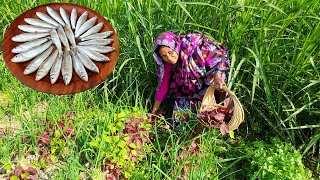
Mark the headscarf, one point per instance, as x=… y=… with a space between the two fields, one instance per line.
x=165 y=39
x=199 y=58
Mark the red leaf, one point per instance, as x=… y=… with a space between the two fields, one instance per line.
x=61 y=124
x=224 y=128
x=138 y=151
x=130 y=129
x=137 y=121
x=68 y=115
x=32 y=171
x=2 y=132
x=118 y=170
x=134 y=159
x=228 y=103
x=24 y=138
x=68 y=130
x=138 y=140
x=18 y=171
x=45 y=138
x=112 y=176
x=219 y=117
x=222 y=110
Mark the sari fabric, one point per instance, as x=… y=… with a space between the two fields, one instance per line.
x=199 y=59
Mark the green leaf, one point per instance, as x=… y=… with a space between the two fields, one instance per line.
x=14 y=178
x=115 y=138
x=107 y=139
x=8 y=166
x=122 y=143
x=120 y=115
x=124 y=154
x=183 y=7
x=141 y=51
x=311 y=143
x=54 y=158
x=134 y=152
x=127 y=175
x=95 y=143
x=119 y=124
x=231 y=134
x=25 y=175
x=112 y=128
x=126 y=138
x=133 y=145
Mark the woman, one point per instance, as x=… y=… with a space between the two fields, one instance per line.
x=187 y=65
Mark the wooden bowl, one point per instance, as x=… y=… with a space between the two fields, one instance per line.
x=44 y=85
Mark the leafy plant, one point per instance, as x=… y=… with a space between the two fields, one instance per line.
x=278 y=160
x=124 y=143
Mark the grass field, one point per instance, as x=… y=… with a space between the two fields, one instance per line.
x=275 y=57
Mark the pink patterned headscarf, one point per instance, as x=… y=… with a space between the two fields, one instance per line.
x=165 y=39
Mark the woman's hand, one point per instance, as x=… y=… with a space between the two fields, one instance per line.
x=155 y=107
x=218 y=82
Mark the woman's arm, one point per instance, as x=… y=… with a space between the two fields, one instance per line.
x=164 y=86
x=218 y=82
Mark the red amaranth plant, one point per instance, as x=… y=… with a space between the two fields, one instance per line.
x=218 y=116
x=44 y=140
x=23 y=174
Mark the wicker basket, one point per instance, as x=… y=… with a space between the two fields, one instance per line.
x=209 y=102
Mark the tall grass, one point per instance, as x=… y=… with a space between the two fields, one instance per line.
x=274 y=48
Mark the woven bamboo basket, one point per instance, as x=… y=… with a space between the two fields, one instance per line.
x=209 y=102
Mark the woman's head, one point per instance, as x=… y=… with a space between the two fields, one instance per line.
x=166 y=43
x=167 y=54
x=169 y=45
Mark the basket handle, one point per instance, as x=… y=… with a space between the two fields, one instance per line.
x=209 y=98
x=227 y=90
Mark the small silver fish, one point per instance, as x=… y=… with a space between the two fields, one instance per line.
x=46 y=65
x=70 y=35
x=33 y=29
x=93 y=30
x=66 y=68
x=100 y=49
x=64 y=16
x=85 y=26
x=38 y=22
x=30 y=54
x=24 y=37
x=55 y=70
x=98 y=36
x=96 y=42
x=78 y=67
x=73 y=18
x=29 y=45
x=55 y=15
x=47 y=19
x=56 y=40
x=86 y=61
x=93 y=55
x=36 y=62
x=81 y=20
x=63 y=37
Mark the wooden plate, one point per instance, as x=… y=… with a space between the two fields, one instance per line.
x=44 y=85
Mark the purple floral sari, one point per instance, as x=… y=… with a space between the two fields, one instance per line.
x=199 y=59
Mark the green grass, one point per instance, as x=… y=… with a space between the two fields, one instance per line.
x=275 y=73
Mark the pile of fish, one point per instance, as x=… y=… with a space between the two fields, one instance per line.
x=61 y=44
